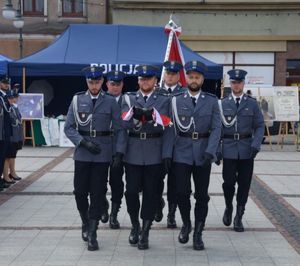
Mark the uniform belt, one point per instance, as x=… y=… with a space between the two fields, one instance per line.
x=237 y=136
x=193 y=135
x=144 y=135
x=94 y=133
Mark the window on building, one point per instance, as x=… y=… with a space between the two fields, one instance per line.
x=72 y=8
x=293 y=73
x=260 y=66
x=33 y=7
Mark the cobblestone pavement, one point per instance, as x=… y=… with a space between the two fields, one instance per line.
x=39 y=224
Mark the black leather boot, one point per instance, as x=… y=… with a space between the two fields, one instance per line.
x=197 y=237
x=159 y=211
x=144 y=236
x=92 y=235
x=237 y=222
x=104 y=216
x=85 y=225
x=171 y=222
x=135 y=230
x=227 y=217
x=113 y=218
x=184 y=232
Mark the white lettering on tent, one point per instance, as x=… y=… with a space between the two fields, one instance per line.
x=128 y=69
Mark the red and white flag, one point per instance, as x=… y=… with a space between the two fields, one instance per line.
x=162 y=120
x=126 y=116
x=173 y=51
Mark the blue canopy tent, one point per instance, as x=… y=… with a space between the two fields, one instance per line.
x=118 y=47
x=113 y=46
x=3 y=64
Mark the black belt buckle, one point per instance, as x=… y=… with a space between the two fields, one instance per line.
x=236 y=136
x=143 y=135
x=93 y=133
x=195 y=135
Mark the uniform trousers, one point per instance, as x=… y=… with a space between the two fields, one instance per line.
x=90 y=180
x=116 y=184
x=142 y=178
x=240 y=172
x=171 y=187
x=201 y=176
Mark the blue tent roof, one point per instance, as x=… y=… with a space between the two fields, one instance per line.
x=113 y=46
x=3 y=64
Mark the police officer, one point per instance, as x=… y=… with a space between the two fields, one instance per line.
x=5 y=126
x=114 y=87
x=198 y=126
x=170 y=85
x=16 y=140
x=88 y=126
x=149 y=142
x=243 y=130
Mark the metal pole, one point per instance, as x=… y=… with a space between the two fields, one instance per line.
x=21 y=42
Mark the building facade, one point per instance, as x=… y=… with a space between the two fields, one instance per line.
x=262 y=37
x=44 y=21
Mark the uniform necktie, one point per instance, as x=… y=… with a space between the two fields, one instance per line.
x=170 y=90
x=237 y=102
x=145 y=98
x=94 y=101
x=194 y=101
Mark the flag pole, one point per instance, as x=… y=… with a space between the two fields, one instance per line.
x=172 y=24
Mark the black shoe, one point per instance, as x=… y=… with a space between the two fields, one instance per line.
x=184 y=233
x=92 y=235
x=11 y=182
x=16 y=178
x=104 y=216
x=237 y=222
x=144 y=236
x=227 y=217
x=197 y=237
x=85 y=225
x=159 y=211
x=5 y=185
x=171 y=222
x=113 y=218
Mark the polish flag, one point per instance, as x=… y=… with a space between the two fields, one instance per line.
x=162 y=120
x=173 y=51
x=126 y=116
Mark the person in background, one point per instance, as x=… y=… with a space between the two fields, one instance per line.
x=16 y=140
x=114 y=87
x=5 y=126
x=171 y=86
